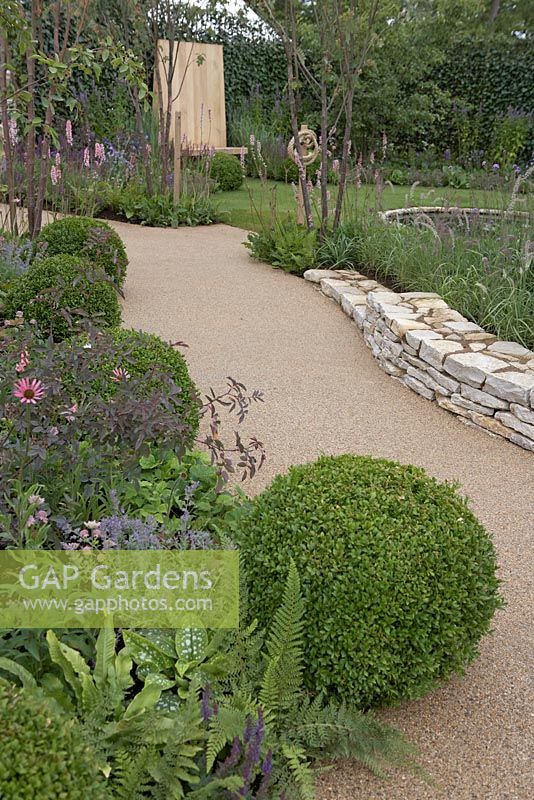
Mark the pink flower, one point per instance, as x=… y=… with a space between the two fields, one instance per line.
x=148 y=148
x=252 y=140
x=13 y=132
x=242 y=158
x=29 y=391
x=24 y=361
x=53 y=431
x=384 y=145
x=86 y=158
x=55 y=175
x=120 y=374
x=35 y=499
x=42 y=516
x=335 y=165
x=100 y=153
x=58 y=159
x=30 y=521
x=70 y=412
x=70 y=545
x=68 y=132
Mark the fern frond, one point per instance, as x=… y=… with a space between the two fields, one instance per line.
x=331 y=731
x=281 y=687
x=217 y=788
x=25 y=677
x=130 y=779
x=300 y=770
x=223 y=729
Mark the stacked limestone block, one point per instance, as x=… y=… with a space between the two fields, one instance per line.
x=438 y=353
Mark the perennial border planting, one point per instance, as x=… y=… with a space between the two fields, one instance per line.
x=432 y=349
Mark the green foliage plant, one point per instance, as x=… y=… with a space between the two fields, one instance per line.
x=88 y=238
x=398 y=575
x=253 y=686
x=340 y=250
x=195 y=713
x=226 y=170
x=285 y=245
x=169 y=488
x=44 y=754
x=484 y=270
x=63 y=284
x=160 y=211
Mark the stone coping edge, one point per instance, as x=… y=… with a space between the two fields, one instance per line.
x=433 y=350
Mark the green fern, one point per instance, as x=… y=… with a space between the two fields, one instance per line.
x=300 y=770
x=281 y=687
x=223 y=729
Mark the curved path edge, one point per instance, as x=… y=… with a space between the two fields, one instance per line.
x=432 y=349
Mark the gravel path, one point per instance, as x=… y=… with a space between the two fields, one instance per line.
x=324 y=394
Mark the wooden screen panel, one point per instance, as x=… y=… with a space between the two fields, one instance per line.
x=201 y=99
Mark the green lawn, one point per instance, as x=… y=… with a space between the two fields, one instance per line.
x=248 y=206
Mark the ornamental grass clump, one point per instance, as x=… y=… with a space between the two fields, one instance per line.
x=398 y=575
x=57 y=291
x=92 y=239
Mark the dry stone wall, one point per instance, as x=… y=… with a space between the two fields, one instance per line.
x=435 y=351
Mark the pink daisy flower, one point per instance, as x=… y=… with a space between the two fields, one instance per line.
x=29 y=391
x=120 y=374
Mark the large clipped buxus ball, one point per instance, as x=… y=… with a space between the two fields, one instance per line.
x=59 y=285
x=92 y=239
x=397 y=574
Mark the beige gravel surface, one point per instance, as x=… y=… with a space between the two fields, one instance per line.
x=324 y=394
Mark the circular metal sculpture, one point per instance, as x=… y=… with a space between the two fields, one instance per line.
x=308 y=144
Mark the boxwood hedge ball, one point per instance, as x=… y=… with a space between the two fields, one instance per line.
x=44 y=755
x=398 y=575
x=58 y=284
x=92 y=239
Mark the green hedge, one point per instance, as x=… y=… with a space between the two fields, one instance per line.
x=53 y=285
x=397 y=574
x=43 y=754
x=88 y=238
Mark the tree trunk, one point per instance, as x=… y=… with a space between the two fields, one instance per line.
x=324 y=160
x=8 y=149
x=494 y=10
